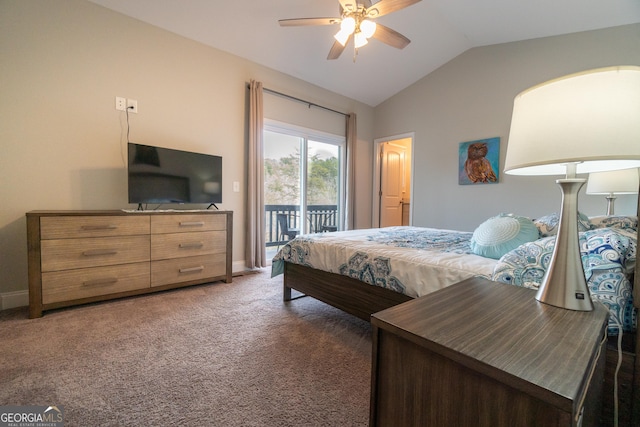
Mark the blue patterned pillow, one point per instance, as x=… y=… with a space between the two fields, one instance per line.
x=607 y=255
x=548 y=224
x=501 y=234
x=614 y=221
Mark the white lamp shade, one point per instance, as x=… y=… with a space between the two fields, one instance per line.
x=348 y=25
x=342 y=37
x=624 y=181
x=368 y=28
x=360 y=39
x=590 y=118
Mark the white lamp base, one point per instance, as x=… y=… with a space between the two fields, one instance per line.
x=564 y=284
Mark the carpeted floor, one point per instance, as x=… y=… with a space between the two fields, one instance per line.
x=213 y=355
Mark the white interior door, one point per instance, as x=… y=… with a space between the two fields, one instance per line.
x=392 y=183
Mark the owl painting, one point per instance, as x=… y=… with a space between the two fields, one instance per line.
x=478 y=166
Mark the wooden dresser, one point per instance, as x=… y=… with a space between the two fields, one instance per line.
x=77 y=257
x=481 y=353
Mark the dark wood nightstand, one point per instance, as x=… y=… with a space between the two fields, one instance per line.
x=481 y=353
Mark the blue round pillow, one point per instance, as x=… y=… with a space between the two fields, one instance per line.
x=501 y=234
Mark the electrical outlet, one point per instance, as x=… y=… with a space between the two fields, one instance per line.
x=132 y=105
x=121 y=103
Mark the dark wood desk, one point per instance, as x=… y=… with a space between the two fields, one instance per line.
x=481 y=353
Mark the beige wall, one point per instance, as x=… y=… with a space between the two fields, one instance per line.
x=62 y=143
x=471 y=98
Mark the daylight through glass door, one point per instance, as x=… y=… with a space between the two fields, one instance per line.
x=303 y=184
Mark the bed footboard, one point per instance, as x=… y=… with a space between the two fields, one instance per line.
x=347 y=294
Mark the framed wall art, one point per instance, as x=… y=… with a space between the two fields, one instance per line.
x=479 y=162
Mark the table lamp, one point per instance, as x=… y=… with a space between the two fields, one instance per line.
x=610 y=183
x=581 y=123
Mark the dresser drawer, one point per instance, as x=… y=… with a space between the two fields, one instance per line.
x=177 y=245
x=90 y=282
x=187 y=223
x=186 y=269
x=70 y=227
x=64 y=254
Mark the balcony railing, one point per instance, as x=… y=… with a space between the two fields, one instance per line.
x=319 y=218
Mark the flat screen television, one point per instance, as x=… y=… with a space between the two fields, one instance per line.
x=163 y=175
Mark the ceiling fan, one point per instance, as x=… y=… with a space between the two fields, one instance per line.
x=357 y=23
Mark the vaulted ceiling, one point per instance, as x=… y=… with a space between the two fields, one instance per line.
x=439 y=31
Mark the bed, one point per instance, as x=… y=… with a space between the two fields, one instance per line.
x=365 y=271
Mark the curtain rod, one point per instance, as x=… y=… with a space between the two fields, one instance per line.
x=310 y=104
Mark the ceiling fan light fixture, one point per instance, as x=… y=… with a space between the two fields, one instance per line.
x=368 y=28
x=357 y=21
x=342 y=37
x=360 y=40
x=348 y=25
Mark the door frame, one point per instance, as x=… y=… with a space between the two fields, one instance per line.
x=377 y=143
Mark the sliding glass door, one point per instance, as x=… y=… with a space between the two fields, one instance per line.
x=303 y=181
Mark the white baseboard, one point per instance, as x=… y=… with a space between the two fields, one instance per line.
x=14 y=299
x=238 y=266
x=241 y=267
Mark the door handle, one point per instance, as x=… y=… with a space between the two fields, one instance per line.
x=191 y=269
x=98 y=252
x=196 y=245
x=100 y=282
x=191 y=223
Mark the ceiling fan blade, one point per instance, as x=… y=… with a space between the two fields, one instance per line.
x=390 y=37
x=337 y=49
x=349 y=5
x=297 y=22
x=384 y=7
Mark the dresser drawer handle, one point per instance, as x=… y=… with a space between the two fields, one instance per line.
x=98 y=227
x=191 y=269
x=100 y=282
x=196 y=245
x=192 y=224
x=98 y=252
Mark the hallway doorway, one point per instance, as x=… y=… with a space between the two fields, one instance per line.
x=392 y=181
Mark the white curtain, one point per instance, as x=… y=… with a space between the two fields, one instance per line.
x=255 y=228
x=350 y=190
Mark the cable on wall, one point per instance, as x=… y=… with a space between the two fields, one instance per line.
x=122 y=152
x=128 y=126
x=615 y=375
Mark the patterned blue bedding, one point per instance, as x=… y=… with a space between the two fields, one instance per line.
x=411 y=260
x=608 y=258
x=416 y=261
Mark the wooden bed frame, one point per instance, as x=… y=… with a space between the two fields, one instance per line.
x=362 y=300
x=347 y=294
